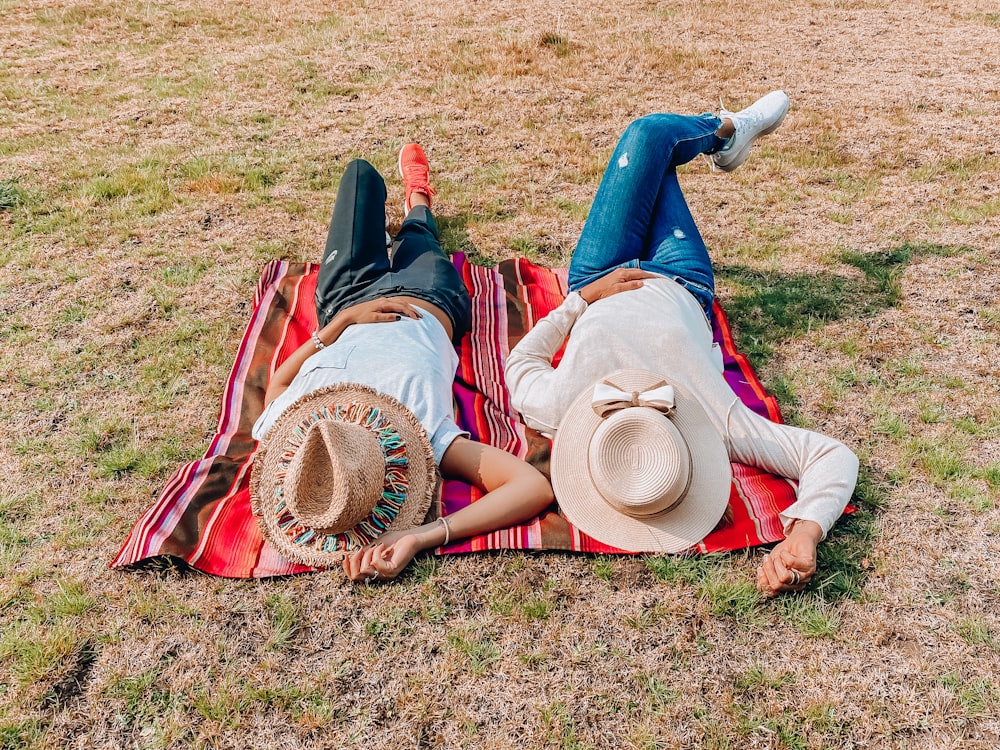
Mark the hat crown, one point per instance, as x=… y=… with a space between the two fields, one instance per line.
x=639 y=462
x=335 y=478
x=670 y=489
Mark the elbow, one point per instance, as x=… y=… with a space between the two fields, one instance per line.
x=537 y=487
x=853 y=466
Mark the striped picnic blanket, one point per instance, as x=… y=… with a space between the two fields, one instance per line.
x=203 y=515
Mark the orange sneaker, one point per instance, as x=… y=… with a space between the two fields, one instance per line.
x=416 y=173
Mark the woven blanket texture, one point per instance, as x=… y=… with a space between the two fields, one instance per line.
x=203 y=515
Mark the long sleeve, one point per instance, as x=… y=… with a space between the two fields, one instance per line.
x=825 y=468
x=529 y=372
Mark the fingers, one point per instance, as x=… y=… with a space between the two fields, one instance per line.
x=631 y=274
x=619 y=280
x=360 y=564
x=783 y=571
x=389 y=310
x=400 y=308
x=385 y=566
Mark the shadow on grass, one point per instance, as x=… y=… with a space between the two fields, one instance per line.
x=767 y=309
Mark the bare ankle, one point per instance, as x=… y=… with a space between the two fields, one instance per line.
x=726 y=130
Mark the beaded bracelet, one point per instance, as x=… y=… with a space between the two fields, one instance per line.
x=316 y=342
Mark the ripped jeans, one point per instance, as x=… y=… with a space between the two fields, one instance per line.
x=639 y=218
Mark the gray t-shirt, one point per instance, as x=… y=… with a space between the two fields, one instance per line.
x=411 y=360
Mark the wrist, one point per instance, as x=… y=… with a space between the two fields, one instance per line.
x=430 y=535
x=805 y=529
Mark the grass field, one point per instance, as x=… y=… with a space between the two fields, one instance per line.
x=154 y=156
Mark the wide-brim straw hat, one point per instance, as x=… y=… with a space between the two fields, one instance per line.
x=637 y=464
x=339 y=468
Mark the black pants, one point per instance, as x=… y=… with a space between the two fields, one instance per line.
x=356 y=267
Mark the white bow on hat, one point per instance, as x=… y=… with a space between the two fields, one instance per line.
x=608 y=398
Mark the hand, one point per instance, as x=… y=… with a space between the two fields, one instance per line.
x=619 y=280
x=381 y=310
x=792 y=562
x=383 y=560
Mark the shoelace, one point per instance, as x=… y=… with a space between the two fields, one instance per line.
x=417 y=179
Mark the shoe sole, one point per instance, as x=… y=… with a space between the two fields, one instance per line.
x=399 y=166
x=741 y=156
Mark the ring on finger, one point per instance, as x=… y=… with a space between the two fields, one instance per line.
x=373 y=576
x=795 y=577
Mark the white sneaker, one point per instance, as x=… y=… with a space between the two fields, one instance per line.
x=760 y=118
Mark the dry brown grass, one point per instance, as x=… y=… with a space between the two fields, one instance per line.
x=152 y=157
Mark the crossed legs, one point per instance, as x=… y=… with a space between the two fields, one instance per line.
x=639 y=217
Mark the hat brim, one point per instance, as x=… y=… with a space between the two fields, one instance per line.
x=674 y=531
x=296 y=540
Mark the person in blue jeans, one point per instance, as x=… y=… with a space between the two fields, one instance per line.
x=637 y=336
x=639 y=218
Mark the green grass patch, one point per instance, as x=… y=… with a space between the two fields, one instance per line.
x=455 y=237
x=767 y=308
x=889 y=423
x=16 y=733
x=758 y=678
x=683 y=569
x=557 y=43
x=572 y=209
x=392 y=628
x=843 y=560
x=134 y=190
x=525 y=246
x=604 y=568
x=14 y=532
x=480 y=650
x=811 y=615
x=141 y=699
x=800 y=728
x=976 y=696
x=975 y=631
x=527 y=602
x=727 y=594
x=821 y=153
x=12 y=195
x=286 y=621
x=559 y=729
x=658 y=692
x=959 y=168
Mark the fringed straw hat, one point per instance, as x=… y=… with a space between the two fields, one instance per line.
x=339 y=468
x=637 y=464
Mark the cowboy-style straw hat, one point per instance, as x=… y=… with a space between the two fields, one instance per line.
x=638 y=465
x=340 y=467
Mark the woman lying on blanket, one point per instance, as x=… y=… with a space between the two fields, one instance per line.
x=358 y=419
x=640 y=347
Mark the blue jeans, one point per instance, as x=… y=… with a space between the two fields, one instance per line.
x=639 y=218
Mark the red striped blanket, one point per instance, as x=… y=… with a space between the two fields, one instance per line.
x=203 y=515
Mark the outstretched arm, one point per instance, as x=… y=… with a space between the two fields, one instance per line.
x=826 y=471
x=515 y=491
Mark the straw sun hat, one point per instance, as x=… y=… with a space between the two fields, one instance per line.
x=340 y=467
x=638 y=465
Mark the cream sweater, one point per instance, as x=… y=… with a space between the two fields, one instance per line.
x=660 y=327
